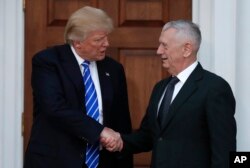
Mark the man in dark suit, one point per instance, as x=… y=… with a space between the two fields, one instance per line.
x=198 y=130
x=61 y=126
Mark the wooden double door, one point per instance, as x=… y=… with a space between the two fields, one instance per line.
x=133 y=42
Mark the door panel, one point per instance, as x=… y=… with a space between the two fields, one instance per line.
x=133 y=42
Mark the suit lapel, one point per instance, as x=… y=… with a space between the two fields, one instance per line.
x=106 y=87
x=72 y=69
x=186 y=91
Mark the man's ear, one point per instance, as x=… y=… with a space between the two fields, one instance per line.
x=188 y=48
x=76 y=44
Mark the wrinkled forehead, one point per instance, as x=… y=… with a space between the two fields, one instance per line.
x=97 y=33
x=167 y=34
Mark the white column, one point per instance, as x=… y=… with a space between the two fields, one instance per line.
x=217 y=23
x=226 y=38
x=11 y=83
x=243 y=74
x=202 y=15
x=1 y=82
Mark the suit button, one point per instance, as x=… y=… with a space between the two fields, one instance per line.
x=81 y=155
x=160 y=139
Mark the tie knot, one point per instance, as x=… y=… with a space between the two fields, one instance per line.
x=173 y=81
x=85 y=64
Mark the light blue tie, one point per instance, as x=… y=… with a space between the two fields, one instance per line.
x=91 y=103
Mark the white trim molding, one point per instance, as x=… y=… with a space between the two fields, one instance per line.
x=217 y=22
x=11 y=83
x=242 y=60
x=224 y=51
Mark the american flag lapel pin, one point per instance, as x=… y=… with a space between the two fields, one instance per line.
x=107 y=74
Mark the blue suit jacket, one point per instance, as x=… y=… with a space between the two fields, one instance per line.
x=61 y=129
x=199 y=130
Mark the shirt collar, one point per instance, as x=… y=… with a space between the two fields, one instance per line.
x=182 y=76
x=78 y=58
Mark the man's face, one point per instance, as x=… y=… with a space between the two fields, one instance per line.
x=171 y=50
x=93 y=48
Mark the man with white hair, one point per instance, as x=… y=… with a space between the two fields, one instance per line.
x=189 y=122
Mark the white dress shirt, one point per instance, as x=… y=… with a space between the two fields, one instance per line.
x=182 y=76
x=95 y=78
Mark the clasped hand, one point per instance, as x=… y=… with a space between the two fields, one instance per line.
x=111 y=140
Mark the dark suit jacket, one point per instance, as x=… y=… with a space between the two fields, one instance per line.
x=199 y=130
x=61 y=128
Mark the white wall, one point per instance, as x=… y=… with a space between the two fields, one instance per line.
x=225 y=29
x=243 y=74
x=11 y=83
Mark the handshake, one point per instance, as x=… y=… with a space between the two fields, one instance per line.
x=111 y=140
